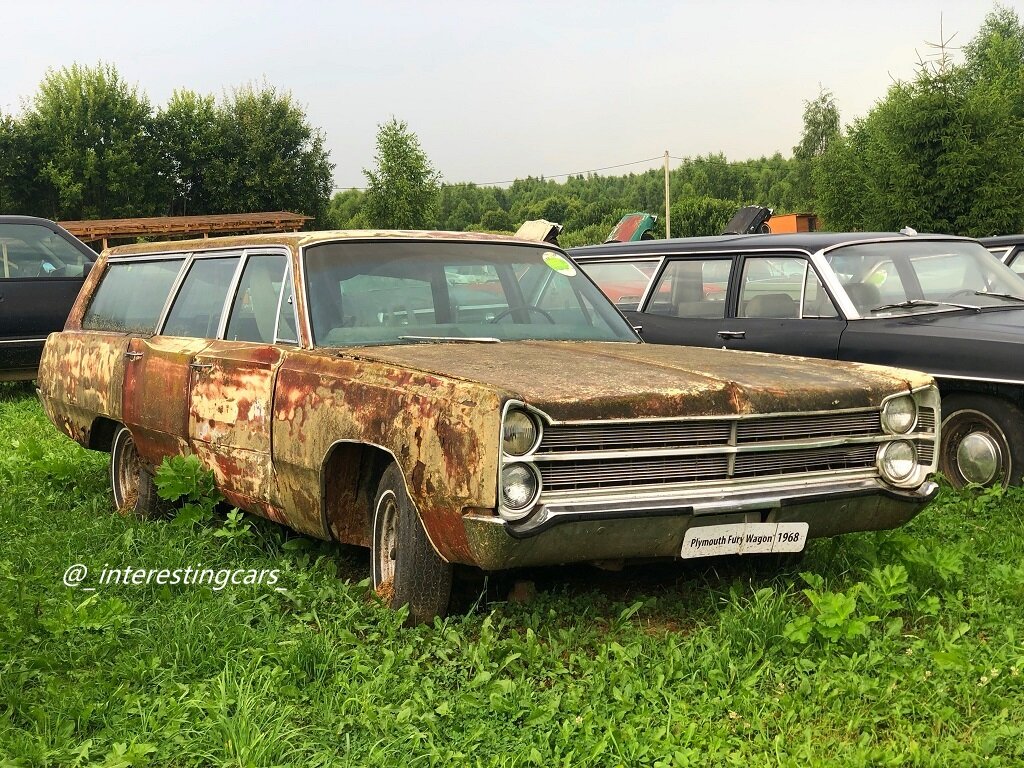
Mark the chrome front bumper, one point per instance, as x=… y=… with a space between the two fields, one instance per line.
x=633 y=529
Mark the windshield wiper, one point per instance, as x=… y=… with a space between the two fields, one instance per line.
x=467 y=339
x=911 y=303
x=999 y=295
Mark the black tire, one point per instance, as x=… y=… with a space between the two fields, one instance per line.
x=406 y=569
x=989 y=418
x=132 y=484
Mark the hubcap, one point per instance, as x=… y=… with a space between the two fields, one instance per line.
x=126 y=488
x=978 y=458
x=387 y=540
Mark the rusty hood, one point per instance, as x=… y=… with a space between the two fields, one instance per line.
x=594 y=380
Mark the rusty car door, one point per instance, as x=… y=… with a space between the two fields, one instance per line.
x=229 y=419
x=232 y=389
x=159 y=371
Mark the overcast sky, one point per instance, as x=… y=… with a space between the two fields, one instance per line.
x=503 y=90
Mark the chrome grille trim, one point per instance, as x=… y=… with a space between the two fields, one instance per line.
x=866 y=423
x=926 y=420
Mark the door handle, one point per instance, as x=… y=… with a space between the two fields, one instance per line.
x=200 y=366
x=133 y=356
x=732 y=334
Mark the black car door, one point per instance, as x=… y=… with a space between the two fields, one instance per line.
x=687 y=303
x=780 y=305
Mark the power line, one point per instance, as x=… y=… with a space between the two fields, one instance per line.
x=543 y=176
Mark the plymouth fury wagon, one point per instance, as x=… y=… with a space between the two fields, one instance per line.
x=450 y=399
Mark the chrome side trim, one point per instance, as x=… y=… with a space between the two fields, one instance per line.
x=22 y=341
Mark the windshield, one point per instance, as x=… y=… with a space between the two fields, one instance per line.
x=407 y=292
x=923 y=276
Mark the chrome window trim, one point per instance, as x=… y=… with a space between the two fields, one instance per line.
x=186 y=264
x=295 y=310
x=229 y=297
x=1001 y=252
x=833 y=285
x=646 y=295
x=247 y=254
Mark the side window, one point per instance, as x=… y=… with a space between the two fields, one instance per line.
x=254 y=313
x=692 y=288
x=1016 y=263
x=622 y=282
x=131 y=296
x=771 y=287
x=816 y=299
x=34 y=251
x=286 y=331
x=199 y=305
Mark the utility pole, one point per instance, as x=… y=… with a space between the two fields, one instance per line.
x=668 y=212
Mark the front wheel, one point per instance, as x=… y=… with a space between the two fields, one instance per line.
x=132 y=484
x=982 y=441
x=406 y=569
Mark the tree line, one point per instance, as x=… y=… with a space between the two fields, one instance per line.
x=940 y=152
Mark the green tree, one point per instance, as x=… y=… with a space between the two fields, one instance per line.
x=821 y=128
x=402 y=190
x=943 y=152
x=269 y=157
x=92 y=146
x=344 y=210
x=188 y=140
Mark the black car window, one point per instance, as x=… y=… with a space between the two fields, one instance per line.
x=254 y=313
x=623 y=282
x=692 y=288
x=198 y=307
x=131 y=296
x=817 y=302
x=31 y=250
x=771 y=286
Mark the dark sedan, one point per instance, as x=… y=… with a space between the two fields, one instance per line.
x=42 y=267
x=935 y=303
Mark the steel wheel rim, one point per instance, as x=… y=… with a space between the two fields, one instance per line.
x=126 y=470
x=386 y=544
x=967 y=425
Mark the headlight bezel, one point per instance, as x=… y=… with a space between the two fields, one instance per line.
x=516 y=412
x=890 y=404
x=885 y=466
x=514 y=513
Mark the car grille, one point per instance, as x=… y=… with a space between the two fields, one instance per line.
x=594 y=456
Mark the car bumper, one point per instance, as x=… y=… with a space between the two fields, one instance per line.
x=641 y=529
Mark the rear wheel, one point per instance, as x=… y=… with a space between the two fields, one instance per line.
x=982 y=441
x=406 y=569
x=132 y=484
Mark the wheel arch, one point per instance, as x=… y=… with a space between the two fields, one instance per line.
x=349 y=475
x=101 y=433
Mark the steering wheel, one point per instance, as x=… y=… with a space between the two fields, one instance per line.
x=529 y=308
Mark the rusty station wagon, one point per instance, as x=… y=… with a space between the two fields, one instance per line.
x=468 y=399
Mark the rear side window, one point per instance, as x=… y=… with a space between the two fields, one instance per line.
x=199 y=305
x=131 y=296
x=692 y=288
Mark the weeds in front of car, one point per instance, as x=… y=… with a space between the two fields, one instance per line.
x=895 y=648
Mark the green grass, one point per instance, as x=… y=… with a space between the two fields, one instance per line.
x=901 y=648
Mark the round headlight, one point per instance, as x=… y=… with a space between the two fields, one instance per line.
x=897 y=460
x=899 y=414
x=519 y=488
x=518 y=433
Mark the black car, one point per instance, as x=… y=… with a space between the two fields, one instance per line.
x=42 y=267
x=939 y=304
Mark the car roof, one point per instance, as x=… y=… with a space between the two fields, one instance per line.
x=805 y=241
x=1002 y=240
x=301 y=239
